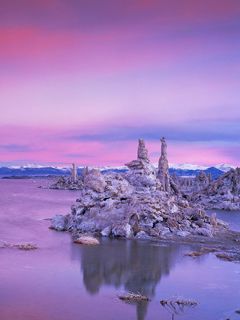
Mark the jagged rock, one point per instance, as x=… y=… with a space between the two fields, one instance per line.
x=142 y=173
x=106 y=231
x=59 y=223
x=122 y=230
x=94 y=180
x=162 y=230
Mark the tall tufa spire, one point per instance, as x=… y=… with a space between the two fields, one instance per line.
x=163 y=173
x=142 y=153
x=74 y=172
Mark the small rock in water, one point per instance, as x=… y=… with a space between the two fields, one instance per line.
x=26 y=246
x=133 y=297
x=228 y=257
x=201 y=252
x=181 y=302
x=177 y=306
x=20 y=246
x=88 y=240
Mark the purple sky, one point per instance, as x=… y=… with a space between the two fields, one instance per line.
x=82 y=80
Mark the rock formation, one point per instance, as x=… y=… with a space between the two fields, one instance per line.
x=74 y=182
x=142 y=153
x=202 y=181
x=67 y=183
x=223 y=193
x=141 y=171
x=74 y=173
x=190 y=185
x=163 y=173
x=135 y=204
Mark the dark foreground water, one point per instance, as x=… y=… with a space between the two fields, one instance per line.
x=65 y=281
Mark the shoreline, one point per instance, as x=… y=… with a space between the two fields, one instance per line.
x=225 y=242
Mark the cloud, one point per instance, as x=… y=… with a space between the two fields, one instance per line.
x=16 y=148
x=191 y=131
x=79 y=155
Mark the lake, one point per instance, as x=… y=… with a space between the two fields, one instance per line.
x=66 y=281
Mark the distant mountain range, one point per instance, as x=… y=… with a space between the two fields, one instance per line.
x=45 y=171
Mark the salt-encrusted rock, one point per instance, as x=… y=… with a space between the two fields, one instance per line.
x=59 y=223
x=94 y=180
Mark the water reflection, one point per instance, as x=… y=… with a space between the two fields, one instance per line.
x=135 y=266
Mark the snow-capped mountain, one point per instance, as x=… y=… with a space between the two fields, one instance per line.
x=41 y=170
x=187 y=166
x=225 y=167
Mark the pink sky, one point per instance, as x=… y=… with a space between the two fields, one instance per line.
x=81 y=81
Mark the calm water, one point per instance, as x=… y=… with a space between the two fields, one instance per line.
x=64 y=281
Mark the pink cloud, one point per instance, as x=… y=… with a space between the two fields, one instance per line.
x=45 y=146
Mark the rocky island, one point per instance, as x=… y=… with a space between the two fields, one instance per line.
x=74 y=182
x=222 y=194
x=142 y=203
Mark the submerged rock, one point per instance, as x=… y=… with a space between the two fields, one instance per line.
x=87 y=240
x=21 y=246
x=26 y=246
x=232 y=257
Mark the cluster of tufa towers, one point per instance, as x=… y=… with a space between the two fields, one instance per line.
x=163 y=168
x=142 y=156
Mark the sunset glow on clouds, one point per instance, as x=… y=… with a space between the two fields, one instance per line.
x=82 y=80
